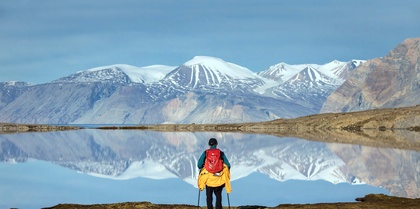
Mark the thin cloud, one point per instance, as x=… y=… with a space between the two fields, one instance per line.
x=76 y=35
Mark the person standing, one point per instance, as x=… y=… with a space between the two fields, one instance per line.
x=214 y=174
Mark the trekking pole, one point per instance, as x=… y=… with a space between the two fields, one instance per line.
x=198 y=204
x=199 y=191
x=228 y=199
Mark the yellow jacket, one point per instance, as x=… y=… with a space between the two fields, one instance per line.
x=209 y=179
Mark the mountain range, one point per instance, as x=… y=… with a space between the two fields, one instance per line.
x=202 y=90
x=211 y=90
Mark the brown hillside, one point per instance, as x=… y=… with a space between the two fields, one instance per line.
x=389 y=81
x=391 y=127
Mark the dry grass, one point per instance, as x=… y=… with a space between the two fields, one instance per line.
x=391 y=128
x=373 y=201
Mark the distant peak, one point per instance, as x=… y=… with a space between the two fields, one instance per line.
x=17 y=83
x=411 y=41
x=147 y=74
x=203 y=60
x=309 y=67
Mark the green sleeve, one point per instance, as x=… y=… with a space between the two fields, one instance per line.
x=200 y=163
x=225 y=160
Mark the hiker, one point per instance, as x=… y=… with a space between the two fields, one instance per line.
x=214 y=174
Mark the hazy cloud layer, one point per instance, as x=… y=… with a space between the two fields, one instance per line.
x=47 y=39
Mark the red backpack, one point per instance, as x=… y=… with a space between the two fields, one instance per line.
x=213 y=162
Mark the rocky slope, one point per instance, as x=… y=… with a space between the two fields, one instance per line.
x=9 y=91
x=390 y=81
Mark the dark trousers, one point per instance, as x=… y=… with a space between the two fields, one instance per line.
x=218 y=193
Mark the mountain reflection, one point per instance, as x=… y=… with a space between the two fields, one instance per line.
x=125 y=154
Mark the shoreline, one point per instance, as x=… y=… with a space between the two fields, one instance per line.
x=367 y=202
x=9 y=128
x=388 y=128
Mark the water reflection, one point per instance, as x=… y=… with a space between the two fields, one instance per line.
x=39 y=169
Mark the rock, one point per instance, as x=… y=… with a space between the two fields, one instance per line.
x=391 y=81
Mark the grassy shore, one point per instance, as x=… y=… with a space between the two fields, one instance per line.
x=6 y=128
x=391 y=128
x=372 y=201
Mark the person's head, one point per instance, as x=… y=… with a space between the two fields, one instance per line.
x=212 y=142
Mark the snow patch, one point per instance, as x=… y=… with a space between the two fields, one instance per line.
x=145 y=74
x=218 y=65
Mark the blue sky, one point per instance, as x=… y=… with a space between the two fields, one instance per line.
x=43 y=40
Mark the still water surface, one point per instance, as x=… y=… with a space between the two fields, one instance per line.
x=106 y=166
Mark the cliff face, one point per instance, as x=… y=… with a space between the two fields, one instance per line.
x=391 y=81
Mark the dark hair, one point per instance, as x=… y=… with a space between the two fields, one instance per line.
x=212 y=142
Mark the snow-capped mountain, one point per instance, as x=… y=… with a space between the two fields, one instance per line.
x=340 y=70
x=336 y=70
x=120 y=73
x=204 y=72
x=308 y=85
x=282 y=72
x=201 y=90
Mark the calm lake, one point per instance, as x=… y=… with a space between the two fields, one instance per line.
x=107 y=166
